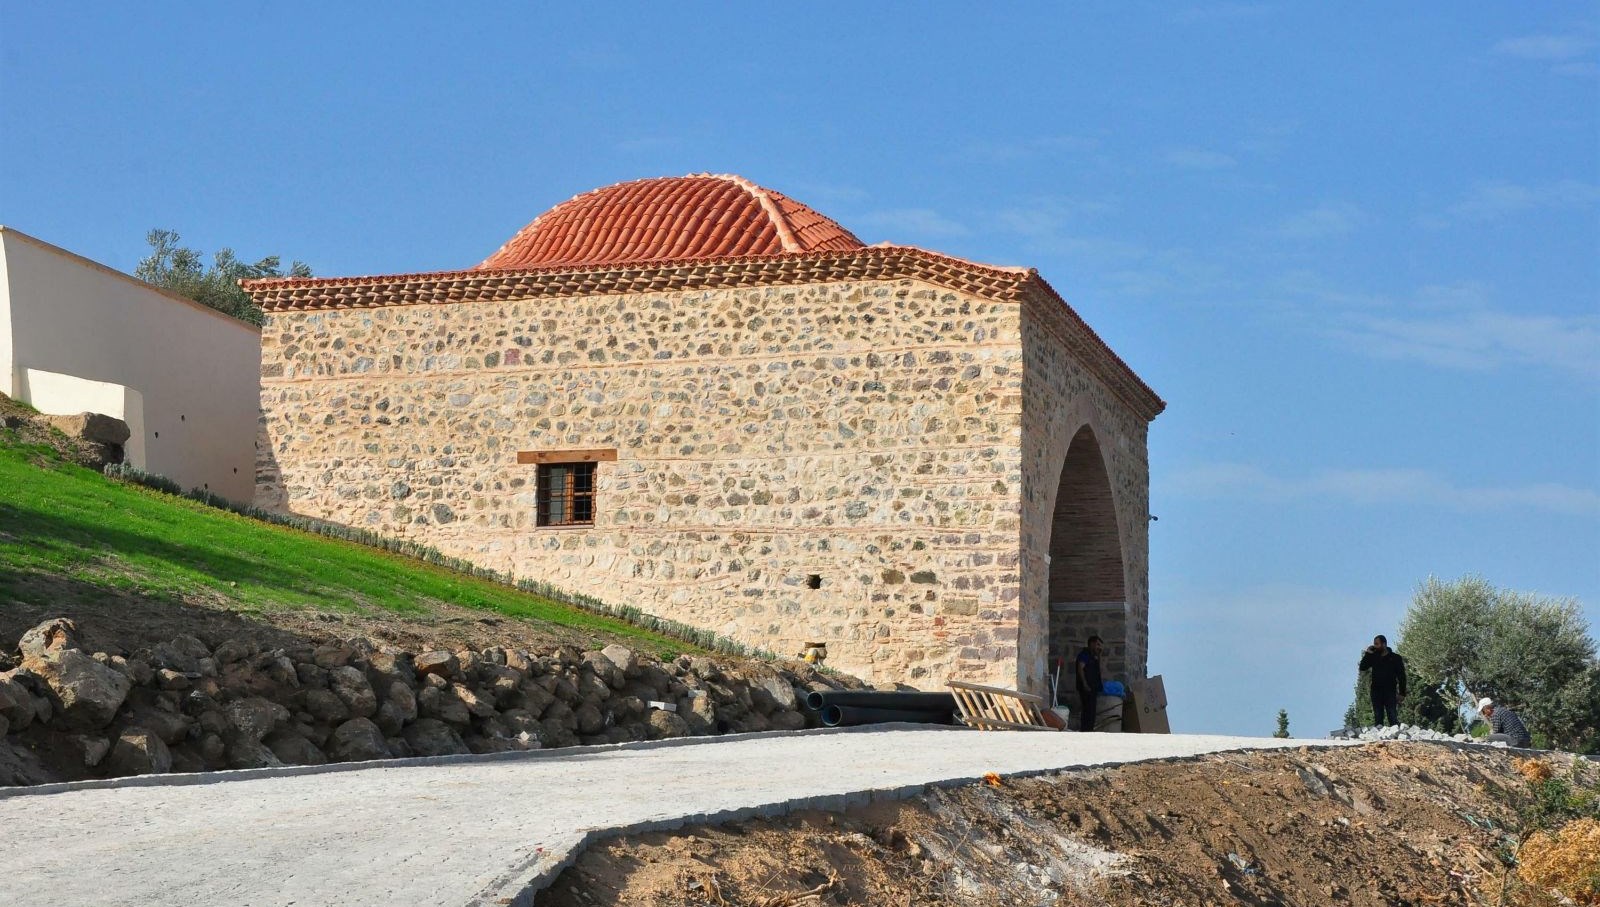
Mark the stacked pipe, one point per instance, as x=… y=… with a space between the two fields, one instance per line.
x=847 y=708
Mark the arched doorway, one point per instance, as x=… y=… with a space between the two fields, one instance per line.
x=1087 y=592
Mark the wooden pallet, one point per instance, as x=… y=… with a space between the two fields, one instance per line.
x=996 y=709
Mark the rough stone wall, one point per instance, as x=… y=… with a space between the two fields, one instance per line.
x=868 y=434
x=1059 y=397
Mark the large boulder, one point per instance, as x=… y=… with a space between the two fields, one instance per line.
x=246 y=753
x=433 y=702
x=169 y=726
x=775 y=686
x=138 y=752
x=106 y=435
x=664 y=725
x=403 y=699
x=786 y=720
x=20 y=766
x=357 y=740
x=183 y=654
x=590 y=720
x=351 y=685
x=253 y=717
x=623 y=658
x=504 y=683
x=444 y=664
x=96 y=428
x=699 y=713
x=432 y=737
x=16 y=703
x=293 y=749
x=325 y=706
x=235 y=649
x=479 y=706
x=50 y=636
x=84 y=693
x=392 y=665
x=87 y=750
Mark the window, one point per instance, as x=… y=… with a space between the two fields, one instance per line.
x=566 y=494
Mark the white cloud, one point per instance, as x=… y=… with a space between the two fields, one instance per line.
x=1056 y=229
x=1198 y=159
x=1332 y=219
x=1476 y=340
x=1549 y=48
x=1495 y=200
x=916 y=222
x=1382 y=486
x=1454 y=326
x=1048 y=219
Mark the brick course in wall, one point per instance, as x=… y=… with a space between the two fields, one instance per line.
x=897 y=443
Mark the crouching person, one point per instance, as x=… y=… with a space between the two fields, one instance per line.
x=1505 y=726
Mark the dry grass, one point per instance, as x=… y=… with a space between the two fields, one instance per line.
x=1567 y=861
x=1535 y=770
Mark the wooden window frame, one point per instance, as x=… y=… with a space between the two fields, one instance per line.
x=571 y=499
x=569 y=464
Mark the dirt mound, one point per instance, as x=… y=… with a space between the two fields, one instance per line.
x=1382 y=824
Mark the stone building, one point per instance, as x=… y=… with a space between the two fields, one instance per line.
x=700 y=397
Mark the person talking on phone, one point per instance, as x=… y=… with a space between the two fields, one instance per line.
x=1388 y=687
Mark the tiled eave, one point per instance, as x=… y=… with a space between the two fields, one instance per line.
x=1019 y=285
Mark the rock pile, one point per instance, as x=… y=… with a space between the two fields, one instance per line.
x=1399 y=732
x=186 y=705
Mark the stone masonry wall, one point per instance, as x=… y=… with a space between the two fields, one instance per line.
x=867 y=434
x=1060 y=397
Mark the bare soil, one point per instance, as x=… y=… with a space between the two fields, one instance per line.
x=1383 y=824
x=120 y=622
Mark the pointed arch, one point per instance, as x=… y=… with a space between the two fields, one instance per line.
x=1087 y=576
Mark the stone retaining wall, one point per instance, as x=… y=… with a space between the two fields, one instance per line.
x=188 y=705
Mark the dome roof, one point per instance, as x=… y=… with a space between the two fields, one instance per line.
x=702 y=216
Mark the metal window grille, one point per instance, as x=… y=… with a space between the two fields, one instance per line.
x=566 y=494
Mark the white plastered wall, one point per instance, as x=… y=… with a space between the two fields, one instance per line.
x=76 y=336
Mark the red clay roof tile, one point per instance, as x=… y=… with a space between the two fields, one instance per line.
x=703 y=216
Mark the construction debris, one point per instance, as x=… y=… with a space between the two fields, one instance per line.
x=1402 y=732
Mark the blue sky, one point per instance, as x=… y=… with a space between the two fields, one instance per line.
x=1355 y=247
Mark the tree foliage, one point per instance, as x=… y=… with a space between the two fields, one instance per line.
x=1466 y=639
x=1283 y=724
x=173 y=267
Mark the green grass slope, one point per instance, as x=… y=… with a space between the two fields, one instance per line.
x=70 y=533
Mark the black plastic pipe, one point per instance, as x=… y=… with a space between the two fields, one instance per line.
x=876 y=699
x=850 y=716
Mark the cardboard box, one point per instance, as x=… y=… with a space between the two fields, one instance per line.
x=1145 y=710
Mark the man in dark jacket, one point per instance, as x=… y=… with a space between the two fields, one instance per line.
x=1086 y=667
x=1388 y=685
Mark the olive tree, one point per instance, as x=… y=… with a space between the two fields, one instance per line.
x=1467 y=639
x=173 y=267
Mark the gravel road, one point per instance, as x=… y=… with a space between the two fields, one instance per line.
x=481 y=830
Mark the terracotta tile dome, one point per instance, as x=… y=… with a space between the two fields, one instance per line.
x=702 y=216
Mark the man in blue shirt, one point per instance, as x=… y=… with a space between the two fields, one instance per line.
x=1086 y=667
